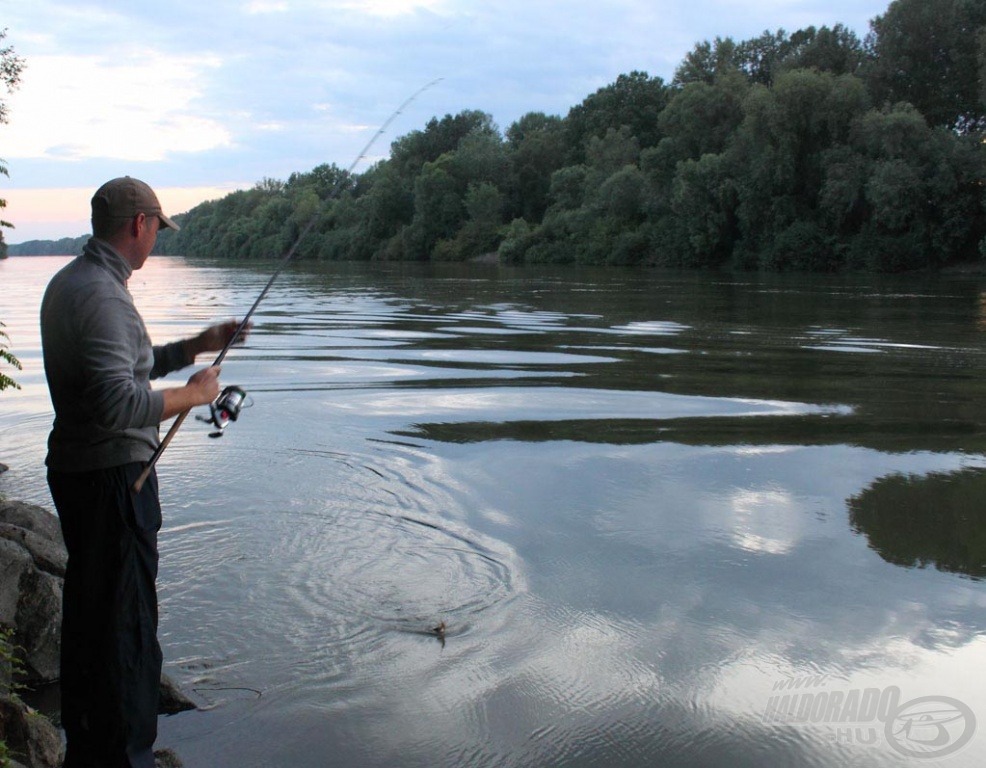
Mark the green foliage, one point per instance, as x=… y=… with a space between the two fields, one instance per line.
x=803 y=246
x=11 y=669
x=929 y=53
x=11 y=67
x=410 y=153
x=702 y=117
x=763 y=58
x=536 y=148
x=808 y=150
x=704 y=202
x=634 y=100
x=707 y=62
x=439 y=209
x=6 y=356
x=11 y=665
x=567 y=189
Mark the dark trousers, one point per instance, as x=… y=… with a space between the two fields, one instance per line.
x=110 y=657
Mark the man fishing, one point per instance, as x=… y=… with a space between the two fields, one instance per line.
x=99 y=361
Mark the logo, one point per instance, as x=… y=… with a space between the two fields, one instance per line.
x=926 y=727
x=930 y=726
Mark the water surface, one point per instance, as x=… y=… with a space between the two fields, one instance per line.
x=646 y=506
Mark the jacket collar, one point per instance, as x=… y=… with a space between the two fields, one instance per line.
x=105 y=255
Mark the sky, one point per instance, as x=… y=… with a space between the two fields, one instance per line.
x=202 y=97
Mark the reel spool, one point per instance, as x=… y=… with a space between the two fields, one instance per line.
x=225 y=408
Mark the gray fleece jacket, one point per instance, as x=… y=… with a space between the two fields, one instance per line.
x=99 y=362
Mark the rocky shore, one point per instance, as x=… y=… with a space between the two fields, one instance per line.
x=32 y=570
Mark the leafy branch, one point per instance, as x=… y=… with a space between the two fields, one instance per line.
x=7 y=356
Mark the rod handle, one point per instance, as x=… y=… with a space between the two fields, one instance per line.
x=139 y=482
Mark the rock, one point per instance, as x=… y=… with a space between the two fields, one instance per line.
x=30 y=736
x=49 y=556
x=32 y=517
x=171 y=700
x=39 y=624
x=3 y=468
x=32 y=564
x=166 y=758
x=15 y=561
x=32 y=567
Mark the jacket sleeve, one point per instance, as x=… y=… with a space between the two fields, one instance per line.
x=114 y=343
x=168 y=358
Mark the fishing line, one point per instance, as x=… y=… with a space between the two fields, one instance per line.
x=229 y=402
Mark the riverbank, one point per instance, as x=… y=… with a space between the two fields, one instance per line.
x=32 y=571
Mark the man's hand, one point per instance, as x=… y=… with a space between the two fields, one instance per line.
x=203 y=385
x=216 y=337
x=202 y=388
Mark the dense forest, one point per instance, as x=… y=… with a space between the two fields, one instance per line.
x=811 y=150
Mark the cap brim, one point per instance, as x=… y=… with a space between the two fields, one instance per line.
x=165 y=221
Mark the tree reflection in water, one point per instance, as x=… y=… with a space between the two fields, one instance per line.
x=922 y=520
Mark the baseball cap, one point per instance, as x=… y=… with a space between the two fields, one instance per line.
x=125 y=197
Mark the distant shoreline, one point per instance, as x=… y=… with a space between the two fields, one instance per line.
x=62 y=247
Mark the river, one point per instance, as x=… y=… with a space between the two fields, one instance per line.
x=666 y=519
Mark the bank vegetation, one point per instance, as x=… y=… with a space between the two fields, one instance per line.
x=812 y=150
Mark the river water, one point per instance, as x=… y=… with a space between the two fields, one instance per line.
x=666 y=519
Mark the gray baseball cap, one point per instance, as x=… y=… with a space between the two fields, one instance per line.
x=125 y=197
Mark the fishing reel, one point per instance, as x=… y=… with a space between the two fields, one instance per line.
x=225 y=408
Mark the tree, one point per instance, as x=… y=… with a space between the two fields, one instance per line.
x=536 y=143
x=922 y=189
x=761 y=59
x=769 y=153
x=480 y=157
x=409 y=153
x=702 y=117
x=634 y=100
x=327 y=180
x=480 y=233
x=836 y=50
x=609 y=153
x=439 y=210
x=387 y=206
x=11 y=66
x=703 y=199
x=928 y=53
x=779 y=148
x=707 y=61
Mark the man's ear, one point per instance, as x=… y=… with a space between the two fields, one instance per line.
x=136 y=223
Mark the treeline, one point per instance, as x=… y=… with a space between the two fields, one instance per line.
x=813 y=150
x=67 y=246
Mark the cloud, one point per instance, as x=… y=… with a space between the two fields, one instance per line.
x=36 y=211
x=141 y=106
x=391 y=8
x=290 y=84
x=265 y=6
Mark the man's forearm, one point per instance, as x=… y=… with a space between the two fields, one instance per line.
x=202 y=388
x=177 y=400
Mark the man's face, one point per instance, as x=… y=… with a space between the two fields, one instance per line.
x=147 y=236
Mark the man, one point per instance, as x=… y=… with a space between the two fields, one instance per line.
x=98 y=360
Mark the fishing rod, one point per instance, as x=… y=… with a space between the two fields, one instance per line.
x=227 y=406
